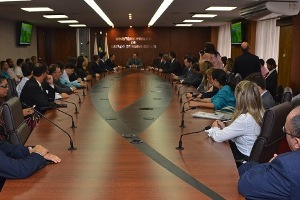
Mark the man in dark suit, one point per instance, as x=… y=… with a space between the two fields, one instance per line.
x=280 y=177
x=247 y=63
x=55 y=72
x=175 y=66
x=34 y=94
x=96 y=67
x=267 y=99
x=134 y=61
x=110 y=63
x=271 y=78
x=17 y=161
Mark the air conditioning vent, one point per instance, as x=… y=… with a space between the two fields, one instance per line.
x=274 y=9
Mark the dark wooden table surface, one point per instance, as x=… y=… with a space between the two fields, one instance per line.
x=141 y=105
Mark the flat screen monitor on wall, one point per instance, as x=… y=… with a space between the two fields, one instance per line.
x=236 y=33
x=25 y=34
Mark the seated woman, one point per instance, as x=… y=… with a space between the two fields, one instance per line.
x=205 y=84
x=223 y=98
x=245 y=123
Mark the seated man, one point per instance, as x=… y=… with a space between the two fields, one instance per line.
x=34 y=94
x=134 y=61
x=267 y=99
x=18 y=161
x=55 y=72
x=27 y=74
x=280 y=177
x=64 y=78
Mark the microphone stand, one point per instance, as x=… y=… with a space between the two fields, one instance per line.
x=180 y=147
x=182 y=115
x=79 y=99
x=179 y=89
x=76 y=111
x=183 y=94
x=83 y=92
x=73 y=124
x=71 y=148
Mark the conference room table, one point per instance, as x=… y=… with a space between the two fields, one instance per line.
x=126 y=138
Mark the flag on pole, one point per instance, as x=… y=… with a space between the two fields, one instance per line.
x=100 y=46
x=95 y=45
x=106 y=46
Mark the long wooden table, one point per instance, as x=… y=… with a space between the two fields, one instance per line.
x=137 y=105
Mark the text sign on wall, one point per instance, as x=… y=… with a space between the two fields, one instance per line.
x=134 y=43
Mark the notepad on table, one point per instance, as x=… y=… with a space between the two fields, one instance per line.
x=206 y=115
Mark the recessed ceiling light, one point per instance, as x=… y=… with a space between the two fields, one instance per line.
x=99 y=11
x=55 y=16
x=193 y=20
x=68 y=21
x=184 y=25
x=219 y=8
x=164 y=5
x=12 y=0
x=204 y=15
x=130 y=26
x=37 y=9
x=77 y=25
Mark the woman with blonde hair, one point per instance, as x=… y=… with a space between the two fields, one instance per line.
x=245 y=123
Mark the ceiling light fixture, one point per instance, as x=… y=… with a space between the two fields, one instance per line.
x=204 y=15
x=37 y=9
x=162 y=8
x=67 y=21
x=77 y=25
x=12 y=0
x=219 y=8
x=193 y=20
x=184 y=25
x=55 y=16
x=98 y=10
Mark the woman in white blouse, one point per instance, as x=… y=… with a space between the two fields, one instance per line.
x=245 y=122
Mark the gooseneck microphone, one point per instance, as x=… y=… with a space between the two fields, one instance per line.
x=71 y=148
x=188 y=92
x=73 y=124
x=180 y=147
x=76 y=111
x=179 y=89
x=182 y=115
x=79 y=99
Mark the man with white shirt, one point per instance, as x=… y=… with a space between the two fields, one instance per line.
x=27 y=74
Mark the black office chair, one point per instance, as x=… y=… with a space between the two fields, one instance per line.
x=237 y=78
x=287 y=94
x=15 y=126
x=266 y=145
x=12 y=91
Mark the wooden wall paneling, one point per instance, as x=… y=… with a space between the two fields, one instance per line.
x=295 y=67
x=179 y=40
x=285 y=55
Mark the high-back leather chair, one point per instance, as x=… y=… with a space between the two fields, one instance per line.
x=287 y=94
x=237 y=78
x=266 y=145
x=15 y=126
x=12 y=91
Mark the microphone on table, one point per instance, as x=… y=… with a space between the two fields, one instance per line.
x=179 y=89
x=79 y=99
x=182 y=116
x=83 y=92
x=73 y=124
x=76 y=111
x=187 y=101
x=188 y=92
x=180 y=140
x=71 y=141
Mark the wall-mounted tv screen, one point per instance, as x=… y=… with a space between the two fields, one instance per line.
x=25 y=34
x=236 y=33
